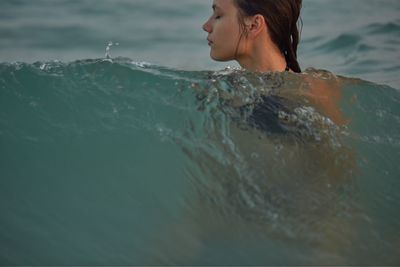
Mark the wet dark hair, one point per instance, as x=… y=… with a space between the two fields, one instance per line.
x=282 y=17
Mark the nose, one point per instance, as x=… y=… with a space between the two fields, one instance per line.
x=207 y=26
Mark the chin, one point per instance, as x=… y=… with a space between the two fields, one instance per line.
x=220 y=58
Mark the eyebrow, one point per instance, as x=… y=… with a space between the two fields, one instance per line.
x=214 y=7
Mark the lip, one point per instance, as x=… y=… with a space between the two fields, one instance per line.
x=209 y=41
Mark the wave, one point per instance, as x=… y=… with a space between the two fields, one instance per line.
x=302 y=159
x=341 y=42
x=384 y=28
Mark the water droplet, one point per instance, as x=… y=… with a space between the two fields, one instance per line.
x=108 y=49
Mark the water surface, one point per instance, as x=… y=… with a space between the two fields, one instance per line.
x=183 y=162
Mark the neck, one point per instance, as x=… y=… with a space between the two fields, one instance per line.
x=263 y=57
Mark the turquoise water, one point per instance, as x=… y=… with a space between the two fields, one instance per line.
x=115 y=162
x=122 y=162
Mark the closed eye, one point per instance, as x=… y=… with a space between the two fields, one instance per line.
x=217 y=16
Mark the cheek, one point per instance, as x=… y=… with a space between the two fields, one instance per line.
x=225 y=35
x=228 y=31
x=225 y=44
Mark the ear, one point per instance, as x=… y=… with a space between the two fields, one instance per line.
x=256 y=25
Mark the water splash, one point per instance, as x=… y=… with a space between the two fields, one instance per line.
x=108 y=49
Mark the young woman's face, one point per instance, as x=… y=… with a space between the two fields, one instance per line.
x=223 y=30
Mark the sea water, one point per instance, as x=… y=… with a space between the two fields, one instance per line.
x=115 y=161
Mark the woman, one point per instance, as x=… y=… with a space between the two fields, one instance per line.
x=261 y=35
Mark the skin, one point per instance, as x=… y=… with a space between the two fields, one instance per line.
x=252 y=48
x=326 y=97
